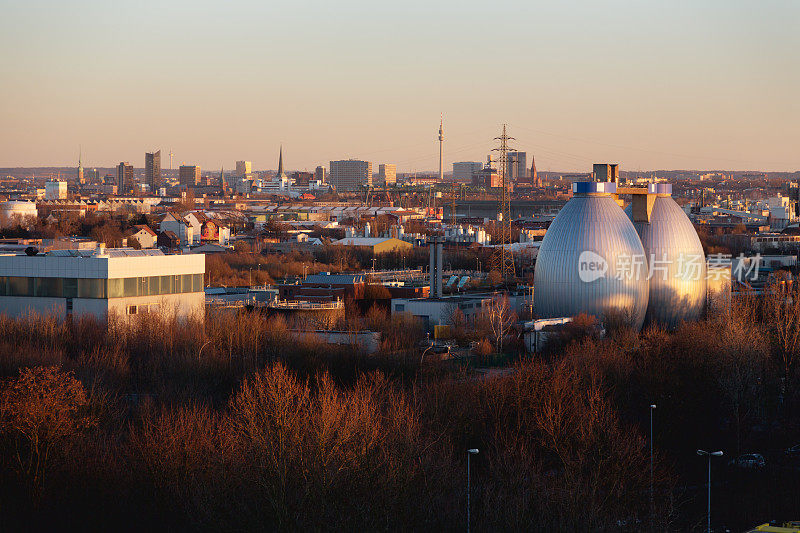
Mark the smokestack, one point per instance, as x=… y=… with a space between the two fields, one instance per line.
x=435 y=246
x=439 y=247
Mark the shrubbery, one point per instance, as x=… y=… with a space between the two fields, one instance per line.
x=235 y=423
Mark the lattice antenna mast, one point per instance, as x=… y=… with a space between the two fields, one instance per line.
x=504 y=257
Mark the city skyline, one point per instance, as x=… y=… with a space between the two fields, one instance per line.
x=650 y=85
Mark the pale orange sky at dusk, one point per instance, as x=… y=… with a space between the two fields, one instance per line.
x=650 y=84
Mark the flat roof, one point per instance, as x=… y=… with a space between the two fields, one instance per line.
x=115 y=263
x=448 y=299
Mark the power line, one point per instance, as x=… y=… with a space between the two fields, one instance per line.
x=647 y=150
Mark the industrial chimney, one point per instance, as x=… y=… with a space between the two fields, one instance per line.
x=435 y=245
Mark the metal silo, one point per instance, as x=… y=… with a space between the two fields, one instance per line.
x=676 y=258
x=591 y=260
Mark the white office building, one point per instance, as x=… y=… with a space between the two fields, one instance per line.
x=55 y=190
x=102 y=281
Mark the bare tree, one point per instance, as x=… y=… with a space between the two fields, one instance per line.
x=782 y=314
x=41 y=410
x=500 y=317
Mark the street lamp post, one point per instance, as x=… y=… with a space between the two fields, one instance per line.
x=471 y=451
x=709 y=455
x=652 y=505
x=430 y=345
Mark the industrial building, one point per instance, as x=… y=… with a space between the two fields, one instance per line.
x=377 y=245
x=102 y=281
x=324 y=287
x=438 y=310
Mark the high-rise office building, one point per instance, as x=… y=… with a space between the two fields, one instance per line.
x=244 y=168
x=189 y=175
x=124 y=178
x=152 y=170
x=319 y=173
x=350 y=174
x=387 y=174
x=465 y=171
x=517 y=166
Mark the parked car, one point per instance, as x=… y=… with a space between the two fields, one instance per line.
x=750 y=461
x=793 y=452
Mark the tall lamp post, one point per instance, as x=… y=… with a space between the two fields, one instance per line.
x=652 y=504
x=471 y=451
x=709 y=455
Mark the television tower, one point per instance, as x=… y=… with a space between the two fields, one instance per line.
x=170 y=160
x=503 y=260
x=441 y=145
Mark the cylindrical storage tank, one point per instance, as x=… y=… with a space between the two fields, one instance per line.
x=676 y=259
x=591 y=260
x=11 y=210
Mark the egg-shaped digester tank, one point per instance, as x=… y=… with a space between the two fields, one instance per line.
x=591 y=260
x=676 y=258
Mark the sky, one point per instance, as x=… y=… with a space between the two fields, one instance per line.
x=668 y=84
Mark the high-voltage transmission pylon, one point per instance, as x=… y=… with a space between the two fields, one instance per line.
x=503 y=259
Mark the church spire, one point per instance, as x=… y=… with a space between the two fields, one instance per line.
x=79 y=170
x=280 y=163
